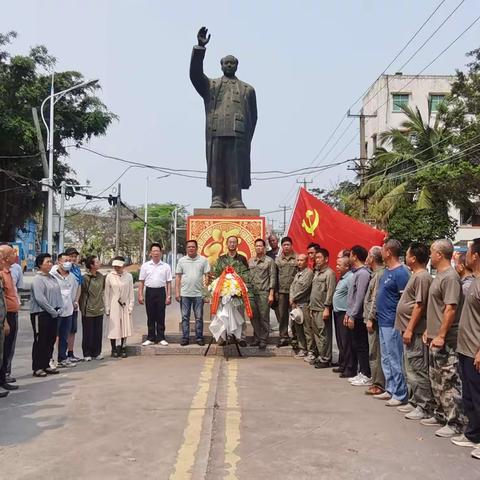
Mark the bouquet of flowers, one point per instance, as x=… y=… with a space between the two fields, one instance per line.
x=229 y=292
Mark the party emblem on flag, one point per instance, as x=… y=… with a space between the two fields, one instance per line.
x=312 y=225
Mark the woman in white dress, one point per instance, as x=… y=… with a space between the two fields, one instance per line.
x=119 y=301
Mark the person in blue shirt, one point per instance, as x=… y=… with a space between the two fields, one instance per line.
x=390 y=289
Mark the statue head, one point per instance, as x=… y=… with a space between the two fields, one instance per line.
x=229 y=65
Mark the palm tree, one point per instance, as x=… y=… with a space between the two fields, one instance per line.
x=390 y=179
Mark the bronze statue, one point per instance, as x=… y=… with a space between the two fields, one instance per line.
x=231 y=116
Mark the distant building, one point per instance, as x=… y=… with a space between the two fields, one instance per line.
x=385 y=98
x=390 y=92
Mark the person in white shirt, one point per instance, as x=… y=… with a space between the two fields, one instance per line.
x=69 y=290
x=156 y=279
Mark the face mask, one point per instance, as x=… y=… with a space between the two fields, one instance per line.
x=67 y=266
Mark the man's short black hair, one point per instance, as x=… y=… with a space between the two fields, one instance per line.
x=420 y=252
x=89 y=261
x=314 y=245
x=63 y=254
x=475 y=246
x=261 y=240
x=324 y=252
x=360 y=252
x=193 y=241
x=155 y=244
x=71 y=251
x=286 y=239
x=41 y=258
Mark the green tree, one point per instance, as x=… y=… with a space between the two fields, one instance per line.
x=160 y=224
x=79 y=115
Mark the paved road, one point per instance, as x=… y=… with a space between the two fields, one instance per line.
x=190 y=417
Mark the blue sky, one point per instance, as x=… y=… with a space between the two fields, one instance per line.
x=308 y=61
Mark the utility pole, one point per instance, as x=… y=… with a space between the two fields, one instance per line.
x=61 y=236
x=284 y=208
x=361 y=168
x=304 y=182
x=145 y=223
x=117 y=220
x=43 y=155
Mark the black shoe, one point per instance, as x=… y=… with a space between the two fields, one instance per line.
x=337 y=370
x=114 y=353
x=344 y=375
x=283 y=343
x=321 y=365
x=51 y=371
x=201 y=342
x=10 y=379
x=3 y=394
x=7 y=386
x=184 y=342
x=243 y=343
x=262 y=346
x=334 y=364
x=124 y=352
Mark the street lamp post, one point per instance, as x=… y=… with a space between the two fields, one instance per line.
x=54 y=97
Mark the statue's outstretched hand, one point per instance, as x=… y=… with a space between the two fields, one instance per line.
x=203 y=37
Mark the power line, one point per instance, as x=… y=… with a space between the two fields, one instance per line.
x=416 y=51
x=401 y=51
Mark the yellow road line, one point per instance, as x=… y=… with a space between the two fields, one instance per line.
x=232 y=422
x=191 y=434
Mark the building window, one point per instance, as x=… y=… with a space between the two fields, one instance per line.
x=471 y=215
x=400 y=100
x=435 y=101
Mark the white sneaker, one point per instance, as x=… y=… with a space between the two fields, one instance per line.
x=356 y=378
x=446 y=432
x=430 y=422
x=364 y=381
x=393 y=402
x=88 y=359
x=52 y=363
x=476 y=453
x=417 y=414
x=406 y=408
x=463 y=441
x=66 y=364
x=310 y=357
x=99 y=357
x=146 y=343
x=164 y=343
x=383 y=396
x=301 y=354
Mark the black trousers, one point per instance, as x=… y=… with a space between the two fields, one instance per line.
x=155 y=306
x=470 y=396
x=44 y=337
x=9 y=345
x=92 y=330
x=341 y=333
x=360 y=346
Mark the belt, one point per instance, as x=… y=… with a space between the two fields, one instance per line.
x=155 y=288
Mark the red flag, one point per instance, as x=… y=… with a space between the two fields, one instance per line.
x=315 y=221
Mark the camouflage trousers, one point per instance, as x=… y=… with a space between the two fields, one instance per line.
x=446 y=386
x=416 y=370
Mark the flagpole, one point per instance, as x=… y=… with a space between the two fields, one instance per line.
x=293 y=211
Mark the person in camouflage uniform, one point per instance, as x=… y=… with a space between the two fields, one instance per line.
x=445 y=300
x=299 y=298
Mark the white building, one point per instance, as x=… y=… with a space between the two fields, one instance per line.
x=382 y=105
